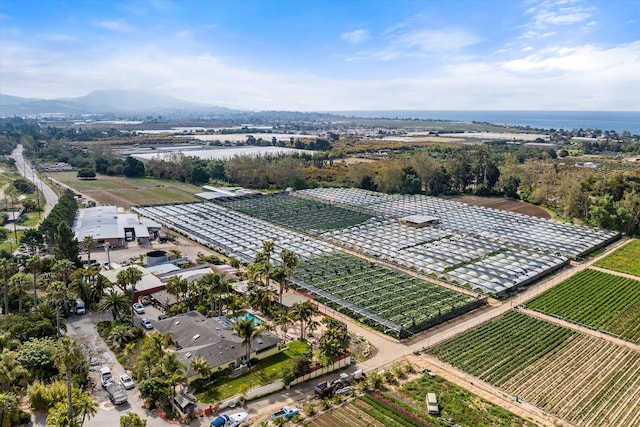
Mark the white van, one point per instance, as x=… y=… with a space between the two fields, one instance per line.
x=80 y=308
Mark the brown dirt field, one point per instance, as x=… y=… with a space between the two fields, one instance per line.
x=354 y=160
x=503 y=205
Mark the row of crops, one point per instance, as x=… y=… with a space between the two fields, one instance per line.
x=595 y=299
x=625 y=259
x=411 y=304
x=585 y=380
x=296 y=213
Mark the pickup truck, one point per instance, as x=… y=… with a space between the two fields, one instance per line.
x=106 y=377
x=232 y=420
x=287 y=412
x=326 y=389
x=117 y=394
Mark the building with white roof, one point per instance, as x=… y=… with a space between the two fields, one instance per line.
x=108 y=224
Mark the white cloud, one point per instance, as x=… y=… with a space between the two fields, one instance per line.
x=356 y=37
x=119 y=26
x=419 y=44
x=579 y=77
x=554 y=13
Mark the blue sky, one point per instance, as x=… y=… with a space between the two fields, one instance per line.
x=330 y=54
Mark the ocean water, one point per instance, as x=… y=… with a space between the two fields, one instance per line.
x=618 y=121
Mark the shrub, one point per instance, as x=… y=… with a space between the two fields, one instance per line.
x=43 y=397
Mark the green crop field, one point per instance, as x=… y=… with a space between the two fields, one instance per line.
x=625 y=260
x=296 y=213
x=599 y=300
x=409 y=302
x=585 y=380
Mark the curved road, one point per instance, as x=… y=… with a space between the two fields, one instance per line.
x=27 y=171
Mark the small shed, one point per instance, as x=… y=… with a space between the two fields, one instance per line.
x=419 y=221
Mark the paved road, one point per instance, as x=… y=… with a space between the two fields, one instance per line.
x=27 y=171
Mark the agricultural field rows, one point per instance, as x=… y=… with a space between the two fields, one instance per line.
x=585 y=380
x=296 y=213
x=625 y=259
x=595 y=299
x=455 y=403
x=409 y=302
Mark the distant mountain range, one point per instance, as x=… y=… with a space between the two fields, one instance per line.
x=105 y=102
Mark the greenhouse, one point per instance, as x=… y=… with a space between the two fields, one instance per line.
x=479 y=249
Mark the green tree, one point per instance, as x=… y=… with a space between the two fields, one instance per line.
x=120 y=335
x=115 y=302
x=247 y=330
x=8 y=268
x=67 y=354
x=84 y=406
x=20 y=283
x=604 y=212
x=201 y=366
x=9 y=410
x=131 y=419
x=11 y=370
x=66 y=244
x=89 y=243
x=154 y=388
x=86 y=173
x=34 y=266
x=631 y=204
x=35 y=356
x=64 y=268
x=289 y=261
x=130 y=276
x=57 y=293
x=304 y=312
x=215 y=285
x=510 y=187
x=133 y=168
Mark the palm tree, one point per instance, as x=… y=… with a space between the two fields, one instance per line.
x=34 y=265
x=120 y=335
x=261 y=297
x=67 y=354
x=235 y=305
x=57 y=294
x=178 y=287
x=304 y=312
x=330 y=346
x=201 y=366
x=130 y=276
x=20 y=282
x=89 y=243
x=115 y=302
x=283 y=319
x=158 y=340
x=85 y=405
x=247 y=330
x=63 y=269
x=98 y=287
x=215 y=284
x=9 y=268
x=146 y=360
x=289 y=262
x=173 y=370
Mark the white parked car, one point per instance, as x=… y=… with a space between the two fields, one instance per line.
x=139 y=308
x=146 y=323
x=126 y=381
